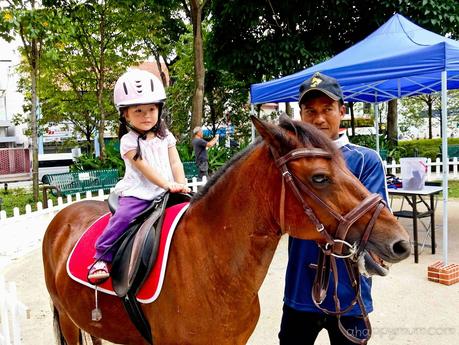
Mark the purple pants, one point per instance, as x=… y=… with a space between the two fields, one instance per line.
x=128 y=208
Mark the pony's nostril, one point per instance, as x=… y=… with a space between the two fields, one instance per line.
x=401 y=248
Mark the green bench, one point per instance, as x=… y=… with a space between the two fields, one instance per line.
x=453 y=150
x=79 y=181
x=191 y=170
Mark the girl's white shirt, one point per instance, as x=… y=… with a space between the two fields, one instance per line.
x=156 y=153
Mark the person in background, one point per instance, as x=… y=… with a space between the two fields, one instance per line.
x=322 y=105
x=153 y=165
x=200 y=147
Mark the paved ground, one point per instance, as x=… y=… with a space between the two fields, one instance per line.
x=408 y=308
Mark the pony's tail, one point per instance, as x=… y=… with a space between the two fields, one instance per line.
x=83 y=336
x=60 y=340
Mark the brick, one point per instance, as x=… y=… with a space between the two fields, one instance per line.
x=433 y=271
x=447 y=275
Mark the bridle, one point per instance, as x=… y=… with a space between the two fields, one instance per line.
x=333 y=246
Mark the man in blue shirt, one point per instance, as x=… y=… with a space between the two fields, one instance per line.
x=322 y=105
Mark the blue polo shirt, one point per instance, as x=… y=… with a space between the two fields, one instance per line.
x=367 y=166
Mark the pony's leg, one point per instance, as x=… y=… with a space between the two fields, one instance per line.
x=66 y=332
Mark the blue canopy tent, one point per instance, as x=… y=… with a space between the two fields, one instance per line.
x=399 y=59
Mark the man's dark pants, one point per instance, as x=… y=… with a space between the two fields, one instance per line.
x=302 y=328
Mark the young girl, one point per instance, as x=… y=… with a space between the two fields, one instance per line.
x=148 y=150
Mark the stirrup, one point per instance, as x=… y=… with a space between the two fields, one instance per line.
x=98 y=272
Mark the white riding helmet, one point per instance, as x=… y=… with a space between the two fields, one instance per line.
x=138 y=87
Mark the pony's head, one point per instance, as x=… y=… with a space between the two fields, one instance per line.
x=320 y=199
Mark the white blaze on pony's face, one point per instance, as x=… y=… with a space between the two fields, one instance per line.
x=340 y=192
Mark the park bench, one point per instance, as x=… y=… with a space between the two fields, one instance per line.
x=79 y=181
x=453 y=151
x=191 y=170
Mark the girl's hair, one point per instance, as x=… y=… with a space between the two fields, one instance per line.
x=159 y=129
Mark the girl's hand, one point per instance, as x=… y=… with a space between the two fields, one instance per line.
x=175 y=187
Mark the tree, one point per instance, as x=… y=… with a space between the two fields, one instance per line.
x=102 y=39
x=22 y=18
x=180 y=92
x=194 y=10
x=392 y=132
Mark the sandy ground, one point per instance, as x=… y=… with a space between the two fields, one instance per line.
x=408 y=308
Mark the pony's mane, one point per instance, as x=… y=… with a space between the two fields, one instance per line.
x=307 y=135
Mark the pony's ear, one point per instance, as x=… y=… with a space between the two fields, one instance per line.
x=273 y=135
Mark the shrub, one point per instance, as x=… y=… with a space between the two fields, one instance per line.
x=112 y=160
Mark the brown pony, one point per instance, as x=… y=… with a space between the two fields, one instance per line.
x=222 y=247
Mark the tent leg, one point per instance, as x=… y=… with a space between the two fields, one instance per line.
x=445 y=160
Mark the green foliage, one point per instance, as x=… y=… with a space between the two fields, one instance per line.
x=180 y=93
x=218 y=156
x=429 y=148
x=259 y=40
x=185 y=152
x=112 y=160
x=19 y=197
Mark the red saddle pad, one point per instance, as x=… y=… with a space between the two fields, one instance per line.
x=83 y=253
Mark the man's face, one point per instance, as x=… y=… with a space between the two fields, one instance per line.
x=324 y=113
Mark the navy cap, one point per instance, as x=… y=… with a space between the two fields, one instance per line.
x=323 y=83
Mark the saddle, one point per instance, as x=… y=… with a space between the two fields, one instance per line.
x=137 y=252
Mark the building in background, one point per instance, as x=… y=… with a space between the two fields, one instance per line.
x=15 y=156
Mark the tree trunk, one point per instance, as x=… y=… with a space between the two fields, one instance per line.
x=351 y=108
x=429 y=114
x=367 y=108
x=392 y=133
x=33 y=117
x=199 y=72
x=100 y=87
x=160 y=69
x=289 y=109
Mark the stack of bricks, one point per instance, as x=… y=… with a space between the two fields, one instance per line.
x=439 y=273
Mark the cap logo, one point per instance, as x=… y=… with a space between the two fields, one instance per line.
x=315 y=81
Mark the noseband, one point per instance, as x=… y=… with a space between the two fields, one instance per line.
x=333 y=246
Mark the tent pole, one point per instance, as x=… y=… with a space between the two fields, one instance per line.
x=377 y=126
x=252 y=112
x=445 y=160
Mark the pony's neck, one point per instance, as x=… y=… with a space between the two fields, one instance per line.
x=237 y=223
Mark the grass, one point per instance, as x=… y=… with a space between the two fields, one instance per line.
x=19 y=197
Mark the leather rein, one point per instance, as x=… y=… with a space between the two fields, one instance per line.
x=333 y=246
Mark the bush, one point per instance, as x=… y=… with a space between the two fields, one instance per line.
x=429 y=148
x=185 y=152
x=112 y=160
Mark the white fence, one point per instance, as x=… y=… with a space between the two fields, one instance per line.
x=12 y=311
x=17 y=214
x=434 y=171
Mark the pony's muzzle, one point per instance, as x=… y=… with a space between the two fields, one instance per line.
x=400 y=250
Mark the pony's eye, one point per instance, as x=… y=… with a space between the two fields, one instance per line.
x=320 y=179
